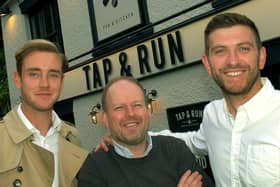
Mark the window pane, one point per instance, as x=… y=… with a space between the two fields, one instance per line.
x=49 y=20
x=44 y=23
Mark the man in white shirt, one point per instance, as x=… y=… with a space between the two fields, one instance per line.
x=239 y=133
x=37 y=148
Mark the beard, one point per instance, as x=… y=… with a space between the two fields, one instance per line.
x=131 y=141
x=140 y=138
x=130 y=137
x=238 y=89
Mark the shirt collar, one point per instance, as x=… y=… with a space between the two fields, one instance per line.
x=251 y=107
x=254 y=113
x=125 y=152
x=56 y=122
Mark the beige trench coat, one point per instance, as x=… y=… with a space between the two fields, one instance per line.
x=25 y=164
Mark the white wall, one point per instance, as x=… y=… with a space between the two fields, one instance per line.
x=75 y=26
x=14 y=28
x=159 y=9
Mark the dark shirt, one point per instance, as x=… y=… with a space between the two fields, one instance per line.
x=162 y=167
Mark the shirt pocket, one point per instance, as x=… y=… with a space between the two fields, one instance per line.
x=263 y=165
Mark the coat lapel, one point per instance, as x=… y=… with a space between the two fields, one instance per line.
x=71 y=158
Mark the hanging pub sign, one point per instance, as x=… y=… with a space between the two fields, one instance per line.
x=185 y=118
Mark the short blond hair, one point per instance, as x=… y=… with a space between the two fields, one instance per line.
x=38 y=45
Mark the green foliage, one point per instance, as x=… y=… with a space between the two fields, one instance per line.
x=4 y=89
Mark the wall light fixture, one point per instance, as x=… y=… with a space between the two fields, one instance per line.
x=4 y=11
x=93 y=113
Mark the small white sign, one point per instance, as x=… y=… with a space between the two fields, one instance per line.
x=115 y=16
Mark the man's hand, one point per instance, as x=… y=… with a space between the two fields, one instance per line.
x=190 y=179
x=105 y=142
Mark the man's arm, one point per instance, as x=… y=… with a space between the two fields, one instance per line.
x=105 y=142
x=195 y=140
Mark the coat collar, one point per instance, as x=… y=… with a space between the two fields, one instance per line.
x=18 y=131
x=69 y=143
x=16 y=128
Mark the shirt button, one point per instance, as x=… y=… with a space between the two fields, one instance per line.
x=19 y=169
x=17 y=183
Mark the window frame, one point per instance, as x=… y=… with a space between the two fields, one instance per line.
x=121 y=38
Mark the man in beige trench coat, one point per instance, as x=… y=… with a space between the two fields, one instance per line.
x=38 y=149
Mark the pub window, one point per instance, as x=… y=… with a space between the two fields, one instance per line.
x=44 y=20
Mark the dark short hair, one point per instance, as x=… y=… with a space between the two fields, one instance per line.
x=115 y=80
x=226 y=20
x=38 y=45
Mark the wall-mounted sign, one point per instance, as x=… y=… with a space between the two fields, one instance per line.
x=185 y=118
x=148 y=58
x=188 y=118
x=114 y=17
x=164 y=52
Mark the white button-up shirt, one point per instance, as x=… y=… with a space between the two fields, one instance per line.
x=49 y=142
x=244 y=151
